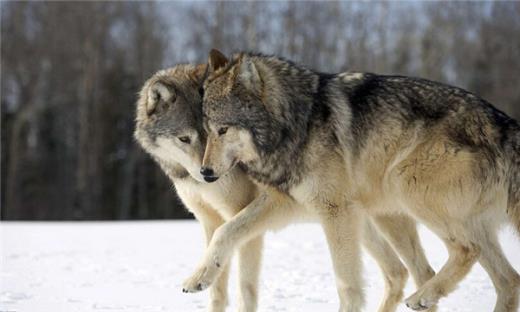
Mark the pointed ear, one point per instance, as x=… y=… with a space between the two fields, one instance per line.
x=216 y=60
x=249 y=75
x=157 y=92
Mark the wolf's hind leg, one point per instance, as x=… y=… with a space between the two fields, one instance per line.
x=504 y=277
x=249 y=262
x=462 y=256
x=394 y=272
x=342 y=227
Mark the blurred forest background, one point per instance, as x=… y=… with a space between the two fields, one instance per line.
x=70 y=73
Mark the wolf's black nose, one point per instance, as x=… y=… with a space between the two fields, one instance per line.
x=207 y=172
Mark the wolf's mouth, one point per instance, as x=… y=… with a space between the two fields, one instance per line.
x=210 y=179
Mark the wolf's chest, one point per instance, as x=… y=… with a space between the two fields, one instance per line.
x=305 y=192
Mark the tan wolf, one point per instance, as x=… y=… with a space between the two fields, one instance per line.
x=169 y=127
x=341 y=145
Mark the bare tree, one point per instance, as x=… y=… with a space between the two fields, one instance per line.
x=70 y=73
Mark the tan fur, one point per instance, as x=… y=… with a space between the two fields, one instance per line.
x=273 y=210
x=437 y=184
x=420 y=171
x=213 y=204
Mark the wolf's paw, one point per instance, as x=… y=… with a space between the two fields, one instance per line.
x=203 y=277
x=421 y=300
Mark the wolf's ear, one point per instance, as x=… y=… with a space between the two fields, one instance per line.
x=216 y=60
x=157 y=92
x=249 y=75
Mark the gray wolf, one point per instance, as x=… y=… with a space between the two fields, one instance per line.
x=169 y=128
x=345 y=144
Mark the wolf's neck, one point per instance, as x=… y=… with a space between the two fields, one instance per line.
x=294 y=96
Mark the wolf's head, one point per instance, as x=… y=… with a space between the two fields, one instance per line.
x=237 y=121
x=169 y=118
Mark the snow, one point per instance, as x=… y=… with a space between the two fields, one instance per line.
x=139 y=266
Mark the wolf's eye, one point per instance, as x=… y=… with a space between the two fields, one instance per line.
x=185 y=139
x=222 y=130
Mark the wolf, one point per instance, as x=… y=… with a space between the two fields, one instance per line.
x=169 y=128
x=350 y=143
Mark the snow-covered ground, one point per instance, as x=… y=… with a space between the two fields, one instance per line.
x=139 y=266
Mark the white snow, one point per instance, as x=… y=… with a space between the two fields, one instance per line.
x=139 y=266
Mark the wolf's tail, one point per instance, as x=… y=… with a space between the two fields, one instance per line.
x=513 y=209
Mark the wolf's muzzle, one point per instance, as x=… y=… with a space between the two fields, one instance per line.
x=208 y=174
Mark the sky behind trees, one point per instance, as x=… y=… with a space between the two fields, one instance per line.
x=70 y=73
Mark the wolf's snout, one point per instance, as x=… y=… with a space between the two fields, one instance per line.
x=208 y=174
x=205 y=171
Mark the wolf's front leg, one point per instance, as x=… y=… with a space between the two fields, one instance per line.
x=218 y=292
x=210 y=221
x=401 y=233
x=269 y=210
x=394 y=272
x=249 y=261
x=341 y=225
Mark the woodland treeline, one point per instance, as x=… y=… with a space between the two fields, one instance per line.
x=70 y=72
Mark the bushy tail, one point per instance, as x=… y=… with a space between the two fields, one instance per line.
x=514 y=187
